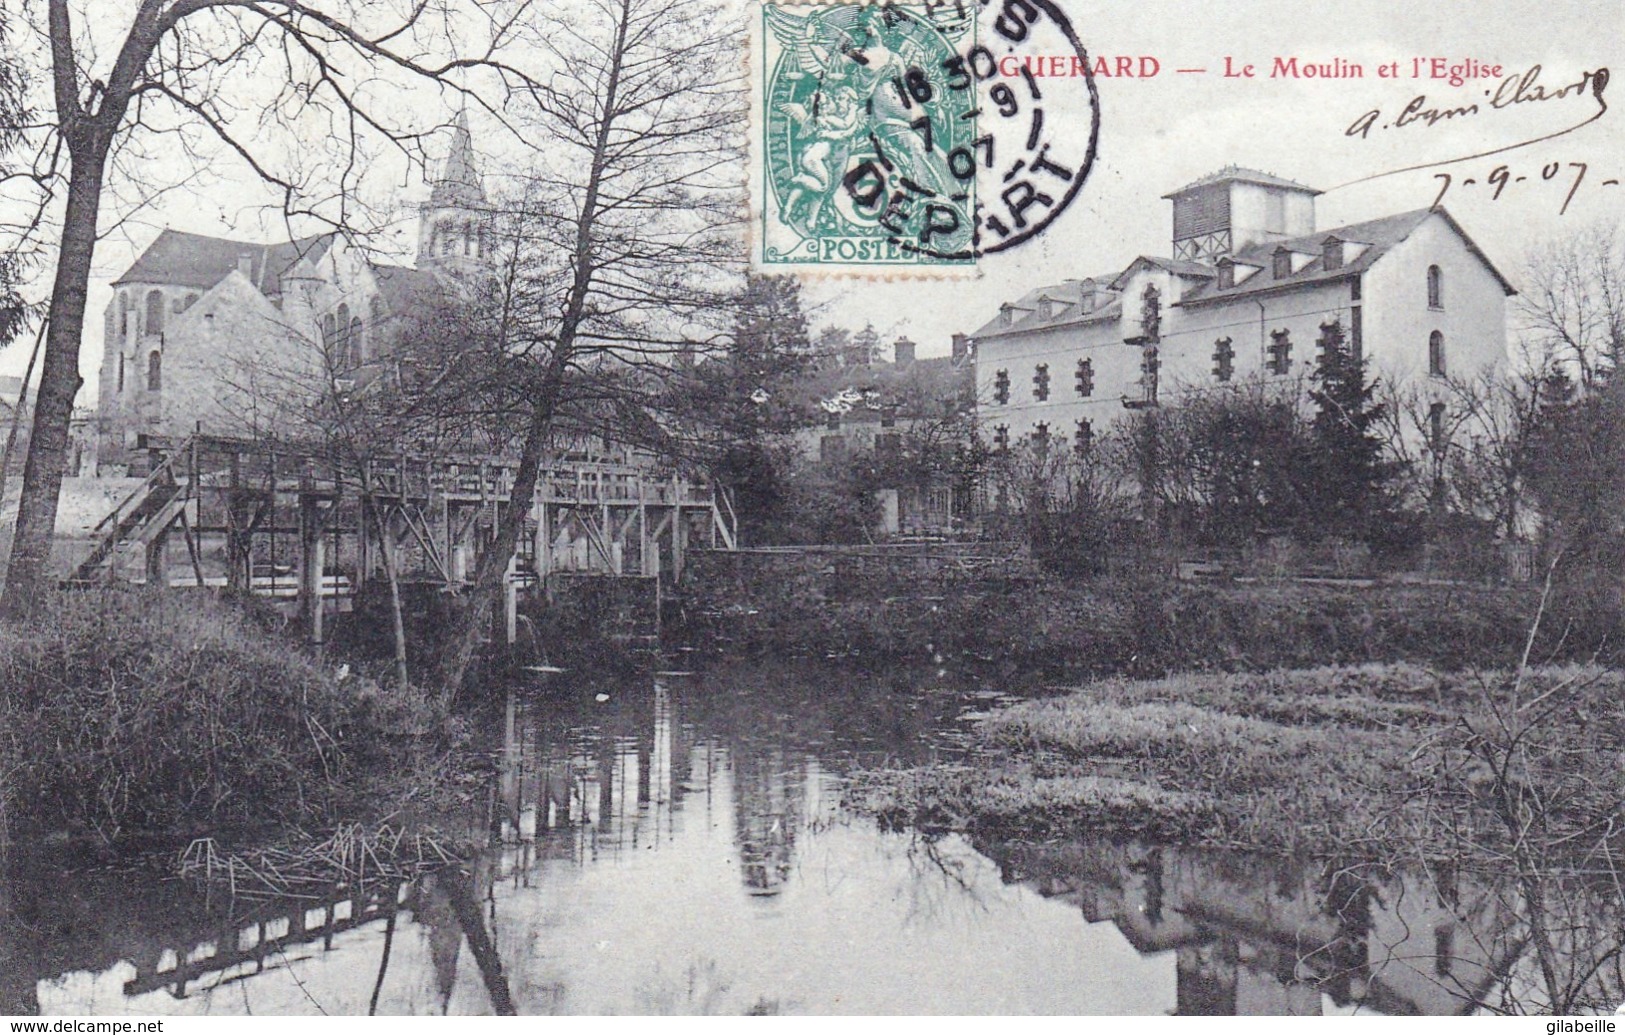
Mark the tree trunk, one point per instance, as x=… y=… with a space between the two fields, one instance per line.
x=27 y=576
x=386 y=546
x=17 y=414
x=475 y=605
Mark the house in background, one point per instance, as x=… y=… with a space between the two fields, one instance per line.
x=905 y=417
x=1250 y=290
x=226 y=335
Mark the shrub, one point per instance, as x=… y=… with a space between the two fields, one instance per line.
x=126 y=712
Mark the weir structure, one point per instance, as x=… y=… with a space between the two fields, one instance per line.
x=310 y=527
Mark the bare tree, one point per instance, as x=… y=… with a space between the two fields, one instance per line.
x=249 y=79
x=1573 y=303
x=642 y=112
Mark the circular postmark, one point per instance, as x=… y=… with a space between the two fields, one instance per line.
x=1036 y=143
x=920 y=130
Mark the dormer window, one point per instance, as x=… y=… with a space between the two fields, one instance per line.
x=1227 y=274
x=1331 y=254
x=1282 y=264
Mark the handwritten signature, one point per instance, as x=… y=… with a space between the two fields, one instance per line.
x=1514 y=90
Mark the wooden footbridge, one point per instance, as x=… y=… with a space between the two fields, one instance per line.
x=307 y=526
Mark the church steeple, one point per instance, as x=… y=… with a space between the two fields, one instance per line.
x=449 y=229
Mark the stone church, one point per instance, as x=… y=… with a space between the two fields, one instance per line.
x=224 y=335
x=1248 y=292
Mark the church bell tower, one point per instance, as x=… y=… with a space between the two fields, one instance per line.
x=451 y=226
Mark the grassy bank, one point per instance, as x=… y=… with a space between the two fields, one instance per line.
x=127 y=715
x=1141 y=628
x=1376 y=759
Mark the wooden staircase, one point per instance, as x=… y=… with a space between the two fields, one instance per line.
x=147 y=512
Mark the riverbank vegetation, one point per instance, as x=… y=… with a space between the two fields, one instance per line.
x=1386 y=761
x=1133 y=626
x=129 y=717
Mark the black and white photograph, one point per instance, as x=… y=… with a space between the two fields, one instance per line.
x=879 y=508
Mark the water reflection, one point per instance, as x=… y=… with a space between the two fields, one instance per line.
x=677 y=846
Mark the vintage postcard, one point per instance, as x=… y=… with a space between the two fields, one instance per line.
x=757 y=507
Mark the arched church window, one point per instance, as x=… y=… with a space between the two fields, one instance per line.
x=1435 y=288
x=356 y=354
x=327 y=332
x=123 y=313
x=155 y=312
x=121 y=371
x=375 y=310
x=479 y=244
x=341 y=340
x=1436 y=354
x=155 y=372
x=448 y=239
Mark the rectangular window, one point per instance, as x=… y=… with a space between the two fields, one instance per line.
x=1001 y=387
x=1041 y=382
x=888 y=417
x=888 y=444
x=832 y=420
x=1436 y=427
x=1354 y=290
x=1084 y=439
x=831 y=448
x=1224 y=360
x=1041 y=433
x=1086 y=378
x=1001 y=438
x=1356 y=332
x=1280 y=353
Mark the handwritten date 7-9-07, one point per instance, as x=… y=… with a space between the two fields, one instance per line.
x=1564 y=174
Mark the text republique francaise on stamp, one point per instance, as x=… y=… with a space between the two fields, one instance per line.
x=888 y=139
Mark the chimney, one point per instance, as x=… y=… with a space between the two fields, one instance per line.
x=961 y=347
x=905 y=351
x=245 y=266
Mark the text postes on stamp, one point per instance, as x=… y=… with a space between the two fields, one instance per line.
x=889 y=136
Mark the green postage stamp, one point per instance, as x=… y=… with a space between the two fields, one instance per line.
x=891 y=136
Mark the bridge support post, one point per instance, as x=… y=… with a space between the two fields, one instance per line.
x=158 y=561
x=311 y=564
x=510 y=602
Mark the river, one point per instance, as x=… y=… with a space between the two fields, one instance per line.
x=676 y=844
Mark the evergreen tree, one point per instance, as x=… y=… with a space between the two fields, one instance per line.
x=1348 y=490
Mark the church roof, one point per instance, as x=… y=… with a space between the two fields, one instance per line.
x=181 y=259
x=402 y=287
x=459 y=184
x=1240 y=174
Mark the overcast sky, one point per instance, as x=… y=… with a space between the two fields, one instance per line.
x=1162 y=132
